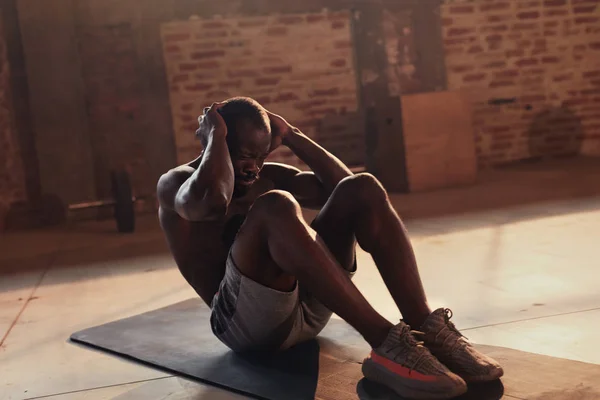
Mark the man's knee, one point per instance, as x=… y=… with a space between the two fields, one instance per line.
x=363 y=187
x=276 y=203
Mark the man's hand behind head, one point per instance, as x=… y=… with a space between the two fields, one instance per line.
x=280 y=128
x=211 y=123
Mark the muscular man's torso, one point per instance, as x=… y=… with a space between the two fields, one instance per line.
x=200 y=249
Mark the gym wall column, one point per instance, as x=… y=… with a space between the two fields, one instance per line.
x=57 y=98
x=383 y=122
x=386 y=153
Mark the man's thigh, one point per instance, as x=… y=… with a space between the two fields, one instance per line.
x=266 y=285
x=250 y=252
x=334 y=225
x=257 y=305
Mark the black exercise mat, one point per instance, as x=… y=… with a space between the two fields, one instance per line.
x=178 y=339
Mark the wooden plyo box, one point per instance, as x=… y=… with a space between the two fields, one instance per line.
x=439 y=141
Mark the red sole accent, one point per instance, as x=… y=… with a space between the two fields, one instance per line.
x=401 y=370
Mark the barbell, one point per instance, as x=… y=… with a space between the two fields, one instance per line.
x=122 y=201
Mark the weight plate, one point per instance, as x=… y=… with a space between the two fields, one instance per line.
x=122 y=193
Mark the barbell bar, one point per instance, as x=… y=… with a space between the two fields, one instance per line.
x=95 y=204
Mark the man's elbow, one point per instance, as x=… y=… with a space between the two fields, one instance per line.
x=212 y=211
x=210 y=208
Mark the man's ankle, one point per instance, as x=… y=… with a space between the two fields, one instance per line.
x=416 y=320
x=378 y=336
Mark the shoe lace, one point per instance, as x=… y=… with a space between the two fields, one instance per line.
x=450 y=324
x=410 y=342
x=454 y=337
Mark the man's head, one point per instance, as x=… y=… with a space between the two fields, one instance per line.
x=248 y=139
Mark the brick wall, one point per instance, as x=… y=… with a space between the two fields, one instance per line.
x=545 y=54
x=296 y=65
x=12 y=177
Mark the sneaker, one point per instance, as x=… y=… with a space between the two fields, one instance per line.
x=453 y=349
x=406 y=366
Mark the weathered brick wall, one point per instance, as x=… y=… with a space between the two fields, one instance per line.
x=296 y=65
x=543 y=53
x=12 y=178
x=401 y=53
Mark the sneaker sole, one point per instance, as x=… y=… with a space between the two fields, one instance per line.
x=408 y=387
x=497 y=374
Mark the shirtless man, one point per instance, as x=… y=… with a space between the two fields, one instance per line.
x=236 y=231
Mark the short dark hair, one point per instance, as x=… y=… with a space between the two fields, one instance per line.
x=243 y=111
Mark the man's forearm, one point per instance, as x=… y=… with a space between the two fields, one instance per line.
x=327 y=167
x=211 y=185
x=216 y=169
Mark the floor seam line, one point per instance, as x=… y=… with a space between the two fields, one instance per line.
x=532 y=318
x=51 y=262
x=98 y=388
x=25 y=304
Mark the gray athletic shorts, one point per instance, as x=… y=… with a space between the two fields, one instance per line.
x=247 y=316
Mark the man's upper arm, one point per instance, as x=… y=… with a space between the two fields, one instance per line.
x=169 y=184
x=305 y=186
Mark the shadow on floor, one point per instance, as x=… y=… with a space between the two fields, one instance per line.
x=515 y=194
x=503 y=216
x=146 y=251
x=368 y=390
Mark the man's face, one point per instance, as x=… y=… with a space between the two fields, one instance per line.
x=248 y=150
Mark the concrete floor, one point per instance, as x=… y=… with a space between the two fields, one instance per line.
x=523 y=277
